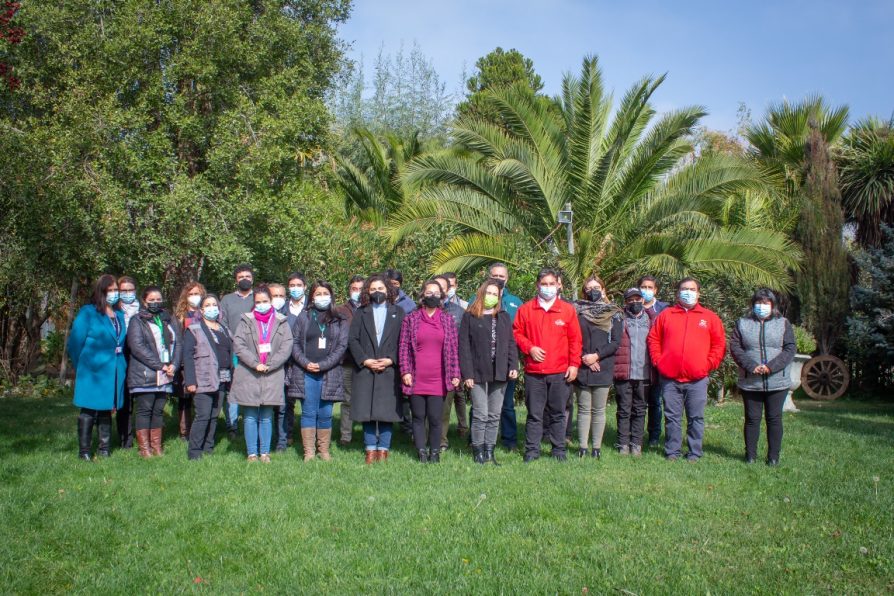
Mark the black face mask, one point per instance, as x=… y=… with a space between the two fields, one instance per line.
x=594 y=295
x=635 y=308
x=244 y=284
x=377 y=297
x=154 y=307
x=500 y=283
x=431 y=301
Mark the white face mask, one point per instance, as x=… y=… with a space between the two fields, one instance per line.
x=194 y=301
x=763 y=310
x=278 y=302
x=688 y=297
x=548 y=292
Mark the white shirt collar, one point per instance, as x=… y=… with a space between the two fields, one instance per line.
x=546 y=305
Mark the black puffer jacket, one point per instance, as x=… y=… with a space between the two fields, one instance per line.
x=144 y=361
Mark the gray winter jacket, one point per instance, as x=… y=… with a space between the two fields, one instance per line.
x=253 y=388
x=771 y=342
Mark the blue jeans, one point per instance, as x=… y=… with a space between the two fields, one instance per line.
x=692 y=398
x=231 y=413
x=508 y=422
x=377 y=435
x=315 y=413
x=258 y=422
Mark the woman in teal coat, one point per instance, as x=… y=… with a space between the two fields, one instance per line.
x=96 y=349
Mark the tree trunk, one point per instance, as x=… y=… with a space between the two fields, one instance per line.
x=72 y=300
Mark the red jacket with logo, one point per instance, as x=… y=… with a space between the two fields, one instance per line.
x=556 y=331
x=686 y=345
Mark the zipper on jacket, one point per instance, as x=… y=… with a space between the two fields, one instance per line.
x=761 y=342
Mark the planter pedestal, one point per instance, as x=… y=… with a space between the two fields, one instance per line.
x=795 y=374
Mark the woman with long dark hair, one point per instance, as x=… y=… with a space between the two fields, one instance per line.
x=763 y=345
x=96 y=349
x=429 y=367
x=321 y=339
x=155 y=354
x=374 y=343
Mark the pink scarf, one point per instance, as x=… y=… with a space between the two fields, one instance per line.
x=264 y=321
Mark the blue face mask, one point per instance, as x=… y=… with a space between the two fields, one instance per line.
x=762 y=311
x=688 y=297
x=112 y=298
x=355 y=296
x=648 y=295
x=548 y=292
x=211 y=313
x=296 y=293
x=263 y=307
x=128 y=297
x=322 y=302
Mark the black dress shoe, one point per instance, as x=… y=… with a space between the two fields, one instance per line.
x=582 y=452
x=773 y=462
x=529 y=457
x=423 y=456
x=434 y=457
x=596 y=453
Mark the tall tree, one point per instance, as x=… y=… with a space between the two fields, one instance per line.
x=637 y=206
x=866 y=165
x=158 y=139
x=497 y=69
x=824 y=281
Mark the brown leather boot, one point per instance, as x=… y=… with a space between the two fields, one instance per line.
x=308 y=435
x=371 y=456
x=143 y=442
x=155 y=441
x=324 y=437
x=383 y=455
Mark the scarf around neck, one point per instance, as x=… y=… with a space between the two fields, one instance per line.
x=597 y=313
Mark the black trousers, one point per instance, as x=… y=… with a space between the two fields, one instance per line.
x=204 y=423
x=124 y=422
x=546 y=397
x=756 y=403
x=431 y=407
x=632 y=398
x=150 y=407
x=288 y=421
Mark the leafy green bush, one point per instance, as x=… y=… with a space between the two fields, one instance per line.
x=804 y=339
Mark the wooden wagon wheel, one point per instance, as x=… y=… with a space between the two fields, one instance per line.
x=825 y=378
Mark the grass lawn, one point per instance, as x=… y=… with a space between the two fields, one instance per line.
x=821 y=522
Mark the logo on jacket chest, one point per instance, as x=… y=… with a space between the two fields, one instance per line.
x=703 y=324
x=560 y=323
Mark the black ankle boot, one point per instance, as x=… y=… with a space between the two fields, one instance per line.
x=434 y=456
x=489 y=455
x=104 y=429
x=478 y=452
x=423 y=456
x=85 y=435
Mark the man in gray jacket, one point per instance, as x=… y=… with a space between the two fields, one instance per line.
x=232 y=307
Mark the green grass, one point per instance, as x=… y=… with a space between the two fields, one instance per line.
x=818 y=523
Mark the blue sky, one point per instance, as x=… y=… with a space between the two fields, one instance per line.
x=716 y=54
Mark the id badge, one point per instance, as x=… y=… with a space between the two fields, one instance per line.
x=165 y=356
x=119 y=349
x=264 y=348
x=321 y=343
x=225 y=376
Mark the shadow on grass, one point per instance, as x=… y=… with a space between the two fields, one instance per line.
x=855 y=418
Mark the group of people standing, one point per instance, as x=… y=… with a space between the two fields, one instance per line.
x=389 y=359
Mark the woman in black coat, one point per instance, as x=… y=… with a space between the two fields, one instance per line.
x=488 y=358
x=601 y=327
x=373 y=341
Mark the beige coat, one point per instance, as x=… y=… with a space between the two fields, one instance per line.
x=249 y=387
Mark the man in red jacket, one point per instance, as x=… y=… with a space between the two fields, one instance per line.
x=686 y=343
x=548 y=336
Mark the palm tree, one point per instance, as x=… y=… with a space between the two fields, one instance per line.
x=641 y=203
x=866 y=177
x=372 y=186
x=780 y=141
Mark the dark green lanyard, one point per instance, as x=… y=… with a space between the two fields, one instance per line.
x=322 y=327
x=161 y=330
